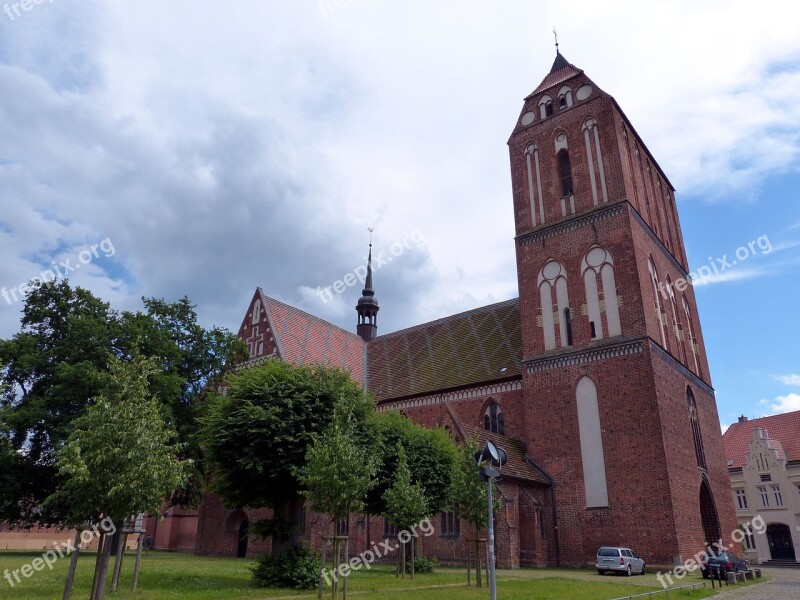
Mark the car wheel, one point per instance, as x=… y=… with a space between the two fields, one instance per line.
x=643 y=569
x=601 y=572
x=629 y=571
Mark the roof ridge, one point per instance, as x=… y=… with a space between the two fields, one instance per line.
x=447 y=318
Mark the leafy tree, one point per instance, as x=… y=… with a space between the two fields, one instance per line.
x=468 y=495
x=59 y=361
x=120 y=458
x=337 y=474
x=406 y=504
x=257 y=434
x=431 y=456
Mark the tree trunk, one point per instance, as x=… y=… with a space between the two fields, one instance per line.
x=335 y=563
x=73 y=564
x=100 y=592
x=123 y=541
x=403 y=561
x=346 y=561
x=412 y=556
x=139 y=545
x=478 y=564
x=100 y=544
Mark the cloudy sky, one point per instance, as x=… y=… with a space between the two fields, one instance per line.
x=204 y=149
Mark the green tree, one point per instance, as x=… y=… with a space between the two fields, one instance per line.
x=431 y=456
x=120 y=458
x=58 y=362
x=406 y=503
x=256 y=436
x=468 y=497
x=337 y=474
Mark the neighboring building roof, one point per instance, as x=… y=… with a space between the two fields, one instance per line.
x=560 y=72
x=303 y=338
x=518 y=465
x=783 y=431
x=477 y=346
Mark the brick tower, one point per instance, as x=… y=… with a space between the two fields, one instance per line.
x=619 y=407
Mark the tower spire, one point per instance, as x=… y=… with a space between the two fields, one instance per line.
x=367 y=307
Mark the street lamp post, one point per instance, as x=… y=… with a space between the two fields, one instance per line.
x=490 y=460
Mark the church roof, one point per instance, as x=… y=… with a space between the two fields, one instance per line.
x=518 y=466
x=303 y=338
x=480 y=345
x=561 y=70
x=783 y=431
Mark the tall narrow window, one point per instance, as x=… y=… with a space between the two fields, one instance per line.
x=676 y=324
x=568 y=323
x=600 y=285
x=741 y=499
x=696 y=435
x=553 y=278
x=534 y=184
x=764 y=497
x=660 y=314
x=591 y=440
x=493 y=419
x=256 y=312
x=692 y=337
x=565 y=173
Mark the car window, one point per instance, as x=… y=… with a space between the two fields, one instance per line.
x=608 y=552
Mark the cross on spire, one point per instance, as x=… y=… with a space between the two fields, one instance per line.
x=555 y=34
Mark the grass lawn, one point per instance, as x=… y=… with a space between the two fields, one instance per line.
x=168 y=576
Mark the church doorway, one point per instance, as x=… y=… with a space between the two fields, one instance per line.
x=708 y=514
x=779 y=537
x=244 y=535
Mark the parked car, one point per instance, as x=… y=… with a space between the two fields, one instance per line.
x=619 y=560
x=724 y=561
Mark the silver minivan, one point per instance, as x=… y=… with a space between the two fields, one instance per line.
x=619 y=560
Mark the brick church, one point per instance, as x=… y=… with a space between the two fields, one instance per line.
x=594 y=380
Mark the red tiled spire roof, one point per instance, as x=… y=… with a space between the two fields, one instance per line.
x=561 y=70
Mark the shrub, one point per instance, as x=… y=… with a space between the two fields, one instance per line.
x=295 y=568
x=423 y=564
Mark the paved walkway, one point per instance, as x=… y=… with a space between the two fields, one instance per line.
x=784 y=584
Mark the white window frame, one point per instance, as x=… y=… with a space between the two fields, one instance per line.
x=762 y=490
x=741 y=499
x=776 y=492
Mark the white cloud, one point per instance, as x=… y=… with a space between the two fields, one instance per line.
x=789 y=379
x=783 y=404
x=226 y=147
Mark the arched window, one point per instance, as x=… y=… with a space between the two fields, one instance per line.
x=565 y=173
x=591 y=439
x=676 y=324
x=660 y=314
x=553 y=277
x=545 y=107
x=493 y=419
x=256 y=318
x=534 y=183
x=601 y=292
x=692 y=337
x=564 y=97
x=696 y=435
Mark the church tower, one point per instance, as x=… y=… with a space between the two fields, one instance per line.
x=619 y=407
x=367 y=307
